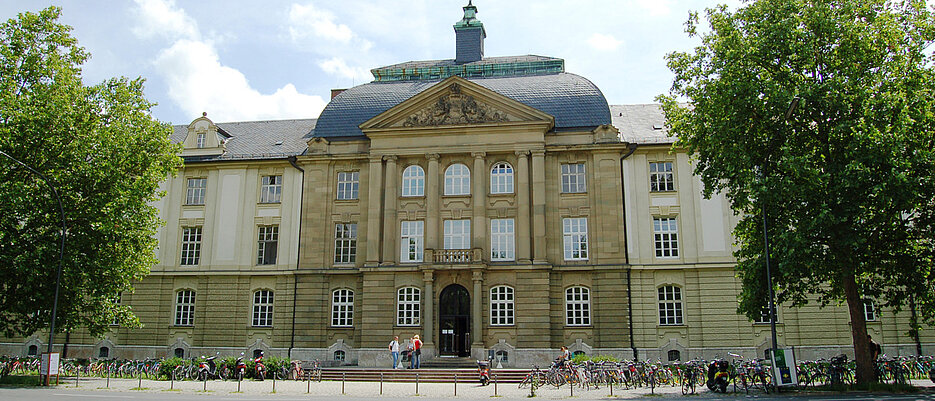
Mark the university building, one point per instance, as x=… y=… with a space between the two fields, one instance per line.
x=485 y=203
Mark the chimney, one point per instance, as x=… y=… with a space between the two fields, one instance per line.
x=469 y=37
x=336 y=92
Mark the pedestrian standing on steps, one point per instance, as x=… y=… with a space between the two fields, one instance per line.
x=394 y=350
x=416 y=351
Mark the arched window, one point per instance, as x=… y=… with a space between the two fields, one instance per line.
x=501 y=306
x=674 y=355
x=263 y=308
x=340 y=355
x=670 y=305
x=342 y=308
x=33 y=350
x=179 y=352
x=413 y=181
x=457 y=180
x=576 y=353
x=408 y=306
x=503 y=356
x=578 y=306
x=501 y=178
x=104 y=352
x=257 y=353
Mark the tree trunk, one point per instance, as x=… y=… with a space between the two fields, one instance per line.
x=855 y=306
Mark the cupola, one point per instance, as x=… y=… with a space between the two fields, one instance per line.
x=469 y=36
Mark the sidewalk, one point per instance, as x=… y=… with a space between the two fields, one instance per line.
x=465 y=390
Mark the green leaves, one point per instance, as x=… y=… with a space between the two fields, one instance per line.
x=106 y=156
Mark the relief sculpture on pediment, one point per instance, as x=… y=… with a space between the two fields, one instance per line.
x=455 y=108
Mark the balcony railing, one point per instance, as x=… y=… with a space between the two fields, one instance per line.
x=454 y=256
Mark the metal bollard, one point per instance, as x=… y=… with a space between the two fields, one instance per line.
x=456 y=384
x=343 y=379
x=495 y=386
x=571 y=386
x=77 y=375
x=308 y=383
x=204 y=384
x=381 y=383
x=274 y=383
x=417 y=384
x=108 y=375
x=612 y=388
x=140 y=385
x=239 y=379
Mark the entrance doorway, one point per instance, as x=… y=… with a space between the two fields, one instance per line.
x=454 y=318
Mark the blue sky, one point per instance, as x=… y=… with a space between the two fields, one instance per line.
x=277 y=59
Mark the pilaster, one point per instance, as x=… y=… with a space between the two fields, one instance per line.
x=523 y=229
x=477 y=336
x=538 y=206
x=479 y=201
x=428 y=302
x=431 y=203
x=373 y=211
x=389 y=212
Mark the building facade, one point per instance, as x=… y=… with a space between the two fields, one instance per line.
x=485 y=204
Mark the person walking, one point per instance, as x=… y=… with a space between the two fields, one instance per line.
x=394 y=350
x=416 y=352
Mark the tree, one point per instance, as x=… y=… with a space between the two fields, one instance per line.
x=106 y=154
x=847 y=178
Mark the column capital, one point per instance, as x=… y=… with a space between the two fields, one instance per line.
x=376 y=159
x=477 y=276
x=390 y=158
x=432 y=156
x=538 y=152
x=522 y=153
x=479 y=155
x=428 y=276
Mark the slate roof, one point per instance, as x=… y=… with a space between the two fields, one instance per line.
x=641 y=124
x=256 y=140
x=574 y=101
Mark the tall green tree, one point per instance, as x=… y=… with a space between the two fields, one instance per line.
x=101 y=148
x=846 y=178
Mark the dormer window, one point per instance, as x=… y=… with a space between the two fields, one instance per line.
x=200 y=140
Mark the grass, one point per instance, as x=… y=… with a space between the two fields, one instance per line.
x=20 y=381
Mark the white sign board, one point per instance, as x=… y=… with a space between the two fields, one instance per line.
x=49 y=364
x=784 y=368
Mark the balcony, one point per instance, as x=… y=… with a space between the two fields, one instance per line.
x=453 y=256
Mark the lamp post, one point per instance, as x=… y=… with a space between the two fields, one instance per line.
x=61 y=252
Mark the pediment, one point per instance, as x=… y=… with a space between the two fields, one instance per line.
x=456 y=102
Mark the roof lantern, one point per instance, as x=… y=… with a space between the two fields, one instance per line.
x=469 y=36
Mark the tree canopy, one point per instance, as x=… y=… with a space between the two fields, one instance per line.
x=101 y=148
x=847 y=178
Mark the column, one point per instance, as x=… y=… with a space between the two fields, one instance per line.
x=428 y=301
x=390 y=251
x=538 y=206
x=373 y=211
x=479 y=202
x=431 y=204
x=522 y=207
x=477 y=334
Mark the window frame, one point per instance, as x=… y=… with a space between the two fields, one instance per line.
x=345 y=243
x=502 y=306
x=871 y=314
x=201 y=140
x=271 y=188
x=185 y=307
x=342 y=297
x=263 y=302
x=661 y=180
x=348 y=185
x=502 y=238
x=267 y=237
x=408 y=299
x=413 y=182
x=501 y=178
x=665 y=237
x=195 y=193
x=573 y=182
x=582 y=304
x=191 y=246
x=457 y=183
x=671 y=305
x=574 y=239
x=407 y=235
x=456 y=234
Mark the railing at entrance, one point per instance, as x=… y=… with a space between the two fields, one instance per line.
x=454 y=256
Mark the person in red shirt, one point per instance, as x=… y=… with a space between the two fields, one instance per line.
x=416 y=352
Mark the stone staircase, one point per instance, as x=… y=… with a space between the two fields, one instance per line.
x=425 y=375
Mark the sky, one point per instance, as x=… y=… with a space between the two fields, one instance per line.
x=279 y=59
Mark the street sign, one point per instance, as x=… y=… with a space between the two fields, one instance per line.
x=784 y=368
x=49 y=364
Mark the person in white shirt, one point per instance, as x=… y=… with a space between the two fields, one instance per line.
x=394 y=349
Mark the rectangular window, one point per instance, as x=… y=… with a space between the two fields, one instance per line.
x=348 y=185
x=457 y=234
x=577 y=306
x=345 y=243
x=870 y=311
x=200 y=140
x=670 y=305
x=660 y=177
x=575 y=233
x=263 y=308
x=501 y=306
x=185 y=308
x=573 y=180
x=116 y=321
x=408 y=306
x=267 y=245
x=191 y=246
x=411 y=241
x=342 y=308
x=502 y=245
x=665 y=231
x=196 y=191
x=271 y=189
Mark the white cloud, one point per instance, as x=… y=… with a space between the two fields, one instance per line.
x=163 y=18
x=198 y=82
x=309 y=19
x=604 y=42
x=337 y=66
